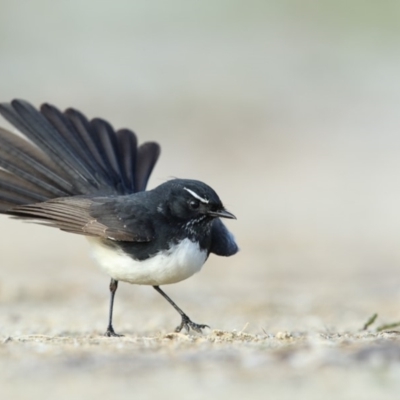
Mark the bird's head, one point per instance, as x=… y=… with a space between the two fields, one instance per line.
x=192 y=200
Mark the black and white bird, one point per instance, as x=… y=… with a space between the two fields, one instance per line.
x=84 y=177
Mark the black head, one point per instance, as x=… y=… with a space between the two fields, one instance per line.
x=193 y=200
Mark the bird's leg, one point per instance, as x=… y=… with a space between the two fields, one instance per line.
x=186 y=322
x=110 y=330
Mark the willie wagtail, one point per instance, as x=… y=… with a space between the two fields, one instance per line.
x=84 y=177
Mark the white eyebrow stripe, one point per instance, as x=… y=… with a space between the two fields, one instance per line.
x=196 y=196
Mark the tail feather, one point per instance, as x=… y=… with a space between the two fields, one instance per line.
x=58 y=147
x=37 y=129
x=22 y=148
x=107 y=144
x=66 y=129
x=147 y=157
x=18 y=158
x=64 y=154
x=14 y=184
x=8 y=201
x=18 y=168
x=15 y=191
x=127 y=144
x=83 y=128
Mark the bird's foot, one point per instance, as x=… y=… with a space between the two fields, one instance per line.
x=111 y=333
x=189 y=325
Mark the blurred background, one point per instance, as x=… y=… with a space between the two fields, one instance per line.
x=288 y=109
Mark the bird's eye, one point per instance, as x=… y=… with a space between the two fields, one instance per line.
x=194 y=204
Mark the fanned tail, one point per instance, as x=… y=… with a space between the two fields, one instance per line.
x=61 y=154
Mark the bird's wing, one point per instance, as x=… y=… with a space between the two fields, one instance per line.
x=117 y=218
x=222 y=241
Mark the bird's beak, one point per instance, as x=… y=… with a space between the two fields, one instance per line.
x=221 y=214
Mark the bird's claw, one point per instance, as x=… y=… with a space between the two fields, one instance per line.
x=111 y=333
x=189 y=325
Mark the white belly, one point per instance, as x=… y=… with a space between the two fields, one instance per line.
x=178 y=263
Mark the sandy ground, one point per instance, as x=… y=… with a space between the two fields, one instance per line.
x=290 y=111
x=220 y=364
